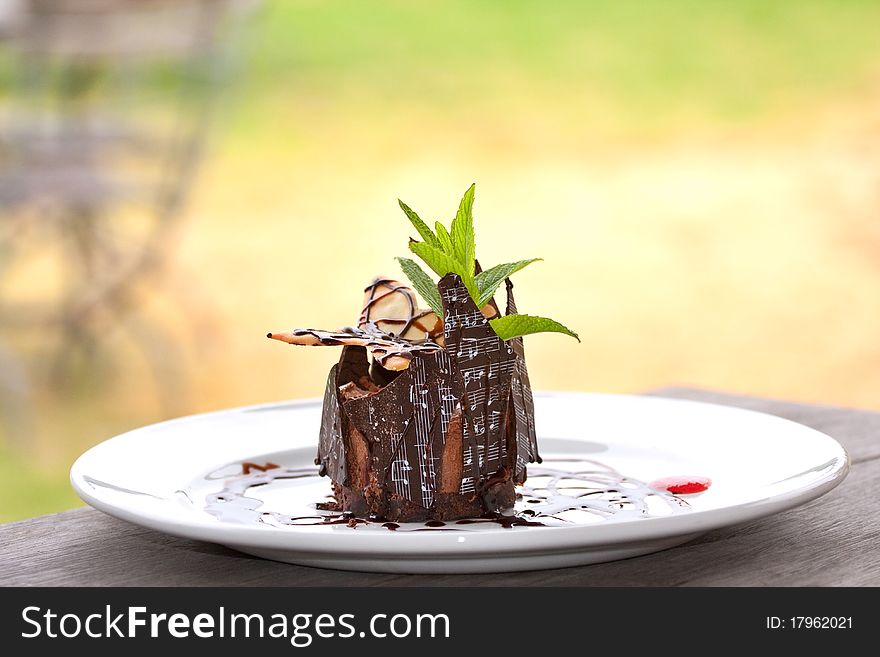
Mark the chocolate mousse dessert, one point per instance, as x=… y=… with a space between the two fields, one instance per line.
x=428 y=415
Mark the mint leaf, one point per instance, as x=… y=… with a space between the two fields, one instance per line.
x=422 y=284
x=443 y=263
x=488 y=281
x=462 y=231
x=420 y=225
x=513 y=326
x=444 y=238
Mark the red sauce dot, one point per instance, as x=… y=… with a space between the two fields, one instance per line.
x=682 y=485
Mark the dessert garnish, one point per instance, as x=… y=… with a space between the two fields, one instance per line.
x=428 y=415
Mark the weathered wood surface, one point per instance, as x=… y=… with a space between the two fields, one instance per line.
x=834 y=540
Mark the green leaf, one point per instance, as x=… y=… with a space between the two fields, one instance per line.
x=489 y=280
x=513 y=326
x=422 y=284
x=462 y=231
x=420 y=225
x=443 y=263
x=444 y=239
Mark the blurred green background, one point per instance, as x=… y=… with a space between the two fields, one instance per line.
x=700 y=177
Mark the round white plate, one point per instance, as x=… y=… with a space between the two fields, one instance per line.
x=185 y=477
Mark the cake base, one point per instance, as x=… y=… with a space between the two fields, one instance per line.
x=372 y=502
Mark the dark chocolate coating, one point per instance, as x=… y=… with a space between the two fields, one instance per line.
x=405 y=424
x=331 y=447
x=483 y=365
x=523 y=402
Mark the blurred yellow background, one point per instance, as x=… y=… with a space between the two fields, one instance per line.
x=701 y=179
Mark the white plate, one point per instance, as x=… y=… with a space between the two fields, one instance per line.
x=184 y=477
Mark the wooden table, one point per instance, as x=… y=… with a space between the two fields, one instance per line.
x=834 y=540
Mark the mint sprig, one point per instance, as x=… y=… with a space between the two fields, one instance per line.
x=422 y=284
x=513 y=326
x=443 y=263
x=462 y=231
x=444 y=238
x=454 y=251
x=420 y=226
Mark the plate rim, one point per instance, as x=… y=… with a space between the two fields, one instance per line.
x=308 y=540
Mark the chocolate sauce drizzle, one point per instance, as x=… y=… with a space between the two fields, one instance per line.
x=384 y=347
x=572 y=493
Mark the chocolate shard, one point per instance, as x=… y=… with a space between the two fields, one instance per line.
x=483 y=365
x=406 y=425
x=523 y=402
x=331 y=442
